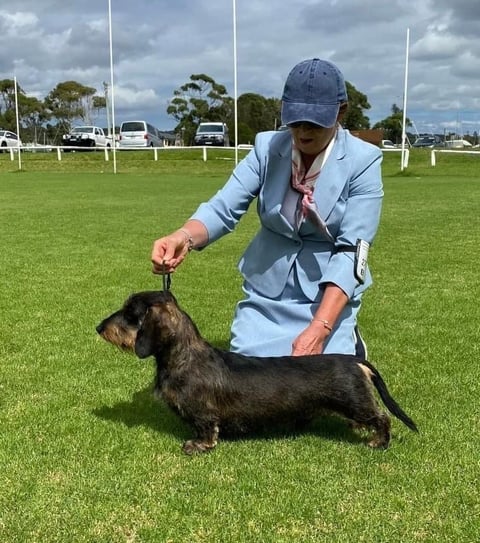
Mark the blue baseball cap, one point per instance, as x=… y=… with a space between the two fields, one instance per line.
x=313 y=92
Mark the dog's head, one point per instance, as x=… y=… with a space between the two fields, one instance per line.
x=145 y=322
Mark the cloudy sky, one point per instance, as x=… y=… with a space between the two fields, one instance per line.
x=158 y=44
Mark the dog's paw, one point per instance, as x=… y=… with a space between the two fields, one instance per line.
x=195 y=446
x=379 y=442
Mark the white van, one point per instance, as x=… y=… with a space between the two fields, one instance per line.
x=135 y=134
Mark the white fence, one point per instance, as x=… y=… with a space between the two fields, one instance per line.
x=204 y=149
x=404 y=159
x=433 y=157
x=59 y=149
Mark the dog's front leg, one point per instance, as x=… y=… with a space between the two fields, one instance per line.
x=207 y=436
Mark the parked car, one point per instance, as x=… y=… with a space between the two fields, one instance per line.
x=215 y=134
x=9 y=139
x=388 y=144
x=426 y=141
x=86 y=136
x=135 y=134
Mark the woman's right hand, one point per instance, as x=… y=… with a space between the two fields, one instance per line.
x=169 y=252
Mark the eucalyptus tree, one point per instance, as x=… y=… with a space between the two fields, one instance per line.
x=199 y=100
x=71 y=101
x=32 y=112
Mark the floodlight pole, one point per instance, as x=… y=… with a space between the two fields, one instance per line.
x=235 y=108
x=404 y=121
x=112 y=93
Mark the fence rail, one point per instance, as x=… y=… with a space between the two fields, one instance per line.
x=60 y=149
x=433 y=157
x=156 y=151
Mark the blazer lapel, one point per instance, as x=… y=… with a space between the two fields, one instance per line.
x=277 y=181
x=332 y=178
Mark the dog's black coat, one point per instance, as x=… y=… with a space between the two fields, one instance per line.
x=218 y=391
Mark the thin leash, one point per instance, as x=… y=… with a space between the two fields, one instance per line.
x=167 y=280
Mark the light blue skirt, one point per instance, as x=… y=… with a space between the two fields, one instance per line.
x=267 y=326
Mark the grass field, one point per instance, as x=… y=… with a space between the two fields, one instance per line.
x=87 y=455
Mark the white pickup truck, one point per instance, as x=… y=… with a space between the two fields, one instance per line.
x=88 y=137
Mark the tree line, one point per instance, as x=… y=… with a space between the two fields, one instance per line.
x=201 y=99
x=50 y=118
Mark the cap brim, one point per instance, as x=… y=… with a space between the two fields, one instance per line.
x=324 y=115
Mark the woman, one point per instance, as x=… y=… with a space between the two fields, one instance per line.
x=319 y=194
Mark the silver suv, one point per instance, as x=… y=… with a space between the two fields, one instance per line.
x=214 y=134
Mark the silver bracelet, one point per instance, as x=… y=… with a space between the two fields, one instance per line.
x=326 y=324
x=188 y=238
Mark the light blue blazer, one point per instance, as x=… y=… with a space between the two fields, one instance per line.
x=348 y=194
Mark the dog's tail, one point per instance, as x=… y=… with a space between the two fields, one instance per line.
x=387 y=399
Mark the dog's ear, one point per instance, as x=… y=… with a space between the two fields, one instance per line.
x=156 y=330
x=145 y=340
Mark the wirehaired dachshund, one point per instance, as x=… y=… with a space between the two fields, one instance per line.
x=223 y=393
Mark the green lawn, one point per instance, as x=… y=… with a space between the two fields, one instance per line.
x=87 y=455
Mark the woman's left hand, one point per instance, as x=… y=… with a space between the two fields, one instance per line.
x=310 y=341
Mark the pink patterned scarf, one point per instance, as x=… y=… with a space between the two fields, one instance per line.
x=304 y=182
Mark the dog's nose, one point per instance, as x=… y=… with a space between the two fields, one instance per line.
x=100 y=328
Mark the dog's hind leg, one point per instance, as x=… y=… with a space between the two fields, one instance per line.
x=368 y=415
x=381 y=426
x=206 y=440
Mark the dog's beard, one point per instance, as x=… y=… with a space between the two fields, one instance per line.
x=122 y=338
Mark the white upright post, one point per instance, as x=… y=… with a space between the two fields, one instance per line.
x=112 y=92
x=18 y=124
x=404 y=130
x=235 y=97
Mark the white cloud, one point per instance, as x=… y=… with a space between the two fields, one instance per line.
x=438 y=44
x=11 y=23
x=125 y=97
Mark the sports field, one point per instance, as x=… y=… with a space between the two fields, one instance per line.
x=86 y=453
